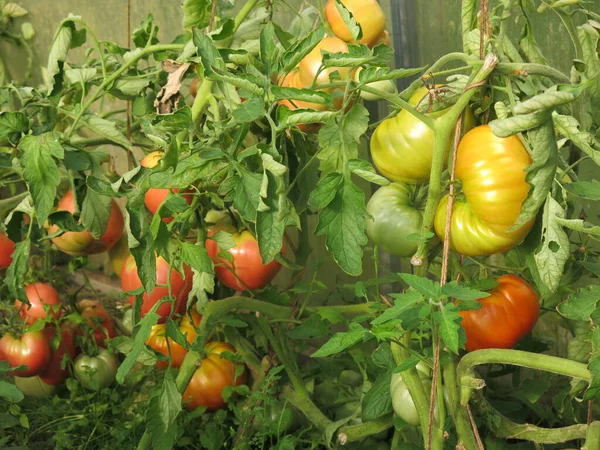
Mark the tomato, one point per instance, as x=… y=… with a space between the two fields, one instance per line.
x=396 y=214
x=492 y=172
x=158 y=340
x=505 y=317
x=65 y=345
x=127 y=321
x=118 y=253
x=97 y=319
x=7 y=247
x=209 y=380
x=180 y=287
x=43 y=298
x=367 y=13
x=31 y=349
x=278 y=418
x=247 y=272
x=402 y=402
x=402 y=146
x=155 y=196
x=34 y=387
x=81 y=243
x=96 y=372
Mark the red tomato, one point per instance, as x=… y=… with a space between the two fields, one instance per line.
x=81 y=243
x=98 y=319
x=65 y=345
x=209 y=380
x=31 y=349
x=180 y=287
x=367 y=13
x=506 y=316
x=155 y=196
x=7 y=247
x=158 y=340
x=247 y=271
x=43 y=297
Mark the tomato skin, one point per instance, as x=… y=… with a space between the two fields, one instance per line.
x=53 y=373
x=507 y=315
x=402 y=402
x=248 y=272
x=492 y=171
x=98 y=319
x=39 y=295
x=7 y=247
x=154 y=197
x=367 y=13
x=118 y=253
x=209 y=380
x=180 y=287
x=82 y=243
x=34 y=387
x=96 y=372
x=31 y=349
x=158 y=340
x=395 y=216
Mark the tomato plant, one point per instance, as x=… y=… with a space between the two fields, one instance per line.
x=82 y=242
x=31 y=349
x=214 y=374
x=98 y=321
x=96 y=372
x=43 y=299
x=62 y=347
x=171 y=283
x=7 y=247
x=161 y=343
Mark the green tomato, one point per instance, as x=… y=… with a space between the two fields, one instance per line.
x=279 y=419
x=396 y=213
x=127 y=320
x=34 y=387
x=402 y=402
x=96 y=372
x=350 y=378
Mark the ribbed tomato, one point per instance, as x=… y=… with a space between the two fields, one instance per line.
x=247 y=271
x=31 y=349
x=209 y=380
x=54 y=373
x=155 y=196
x=96 y=372
x=43 y=298
x=81 y=243
x=367 y=13
x=157 y=340
x=505 y=317
x=97 y=319
x=7 y=247
x=492 y=172
x=180 y=286
x=34 y=387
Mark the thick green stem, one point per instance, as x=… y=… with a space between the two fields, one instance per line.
x=239 y=18
x=202 y=97
x=592 y=437
x=352 y=433
x=553 y=364
x=307 y=407
x=503 y=427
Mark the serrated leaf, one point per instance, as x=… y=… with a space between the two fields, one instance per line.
x=196 y=257
x=374 y=74
x=342 y=341
x=196 y=13
x=377 y=402
x=349 y=20
x=402 y=302
x=58 y=51
x=311 y=328
x=95 y=213
x=107 y=129
x=268 y=49
x=454 y=290
x=580 y=225
x=589 y=190
x=81 y=76
x=593 y=390
x=243 y=189
x=10 y=392
x=568 y=127
x=365 y=170
x=249 y=111
x=15 y=274
x=581 y=305
x=517 y=124
x=428 y=288
x=448 y=320
x=544 y=101
x=130 y=86
x=12 y=126
x=293 y=55
x=408 y=363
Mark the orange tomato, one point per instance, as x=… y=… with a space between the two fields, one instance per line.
x=367 y=13
x=158 y=339
x=42 y=297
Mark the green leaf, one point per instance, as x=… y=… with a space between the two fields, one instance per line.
x=429 y=289
x=594 y=268
x=196 y=13
x=108 y=130
x=269 y=54
x=365 y=170
x=340 y=138
x=129 y=87
x=196 y=257
x=547 y=100
x=58 y=51
x=377 y=402
x=589 y=190
x=550 y=259
x=40 y=171
x=568 y=127
x=409 y=363
x=249 y=111
x=351 y=23
x=517 y=124
x=145 y=33
x=95 y=213
x=81 y=76
x=580 y=225
x=15 y=274
x=448 y=320
x=402 y=302
x=593 y=391
x=342 y=341
x=374 y=74
x=343 y=222
x=243 y=188
x=293 y=55
x=12 y=126
x=305 y=95
x=589 y=47
x=359 y=55
x=383 y=357
x=580 y=347
x=581 y=305
x=13 y=10
x=454 y=290
x=326 y=190
x=311 y=328
x=289 y=118
x=10 y=392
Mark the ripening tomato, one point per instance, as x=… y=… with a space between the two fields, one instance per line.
x=367 y=13
x=155 y=196
x=7 y=247
x=34 y=387
x=402 y=146
x=54 y=373
x=31 y=349
x=492 y=172
x=96 y=317
x=157 y=340
x=396 y=213
x=43 y=298
x=96 y=372
x=180 y=286
x=81 y=243
x=505 y=317
x=118 y=253
x=248 y=271
x=209 y=380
